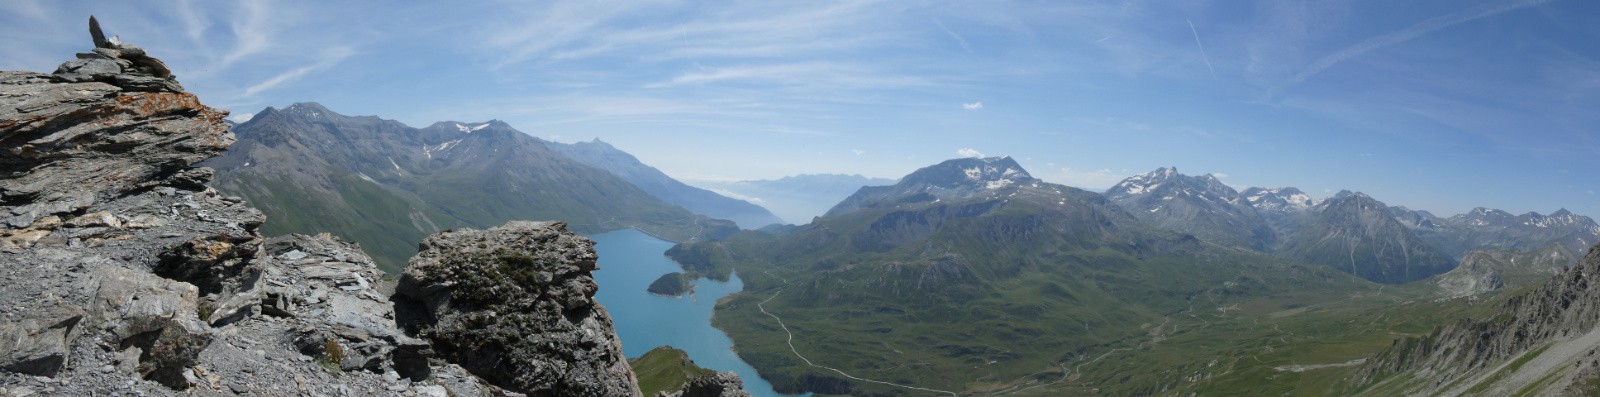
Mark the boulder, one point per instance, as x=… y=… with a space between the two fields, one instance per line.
x=160 y=317
x=515 y=305
x=39 y=345
x=716 y=384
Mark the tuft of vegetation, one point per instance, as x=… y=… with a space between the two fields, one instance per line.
x=332 y=355
x=205 y=309
x=665 y=369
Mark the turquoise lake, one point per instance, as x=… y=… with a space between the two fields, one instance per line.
x=629 y=261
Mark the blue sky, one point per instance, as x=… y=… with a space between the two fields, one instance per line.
x=1437 y=105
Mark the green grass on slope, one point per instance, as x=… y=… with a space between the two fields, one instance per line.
x=665 y=368
x=386 y=226
x=881 y=317
x=1068 y=322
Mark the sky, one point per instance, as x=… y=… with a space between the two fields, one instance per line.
x=1437 y=105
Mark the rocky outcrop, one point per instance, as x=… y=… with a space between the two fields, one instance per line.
x=95 y=184
x=1546 y=339
x=1477 y=274
x=121 y=134
x=1485 y=271
x=717 y=384
x=122 y=273
x=515 y=305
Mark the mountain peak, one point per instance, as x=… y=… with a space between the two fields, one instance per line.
x=1166 y=179
x=468 y=128
x=1280 y=200
x=306 y=107
x=297 y=110
x=951 y=179
x=988 y=172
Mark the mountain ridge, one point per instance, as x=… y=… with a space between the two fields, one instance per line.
x=602 y=155
x=386 y=185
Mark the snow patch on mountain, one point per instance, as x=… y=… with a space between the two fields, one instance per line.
x=469 y=129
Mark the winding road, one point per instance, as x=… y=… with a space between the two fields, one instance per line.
x=802 y=357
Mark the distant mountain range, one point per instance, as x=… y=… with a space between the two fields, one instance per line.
x=386 y=185
x=972 y=262
x=1349 y=231
x=700 y=201
x=1198 y=205
x=798 y=198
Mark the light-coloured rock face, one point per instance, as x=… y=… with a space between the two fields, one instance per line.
x=1553 y=331
x=515 y=305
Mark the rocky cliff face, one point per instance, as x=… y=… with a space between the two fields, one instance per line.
x=515 y=305
x=121 y=272
x=1491 y=270
x=1545 y=342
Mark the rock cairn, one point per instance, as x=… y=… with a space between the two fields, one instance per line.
x=121 y=64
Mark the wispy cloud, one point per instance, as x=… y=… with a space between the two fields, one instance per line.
x=969 y=152
x=737 y=196
x=329 y=59
x=1401 y=36
x=253 y=29
x=1203 y=55
x=952 y=33
x=568 y=30
x=972 y=106
x=799 y=74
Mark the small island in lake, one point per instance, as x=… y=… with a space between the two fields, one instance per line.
x=670 y=284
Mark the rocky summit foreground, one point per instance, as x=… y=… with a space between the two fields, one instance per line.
x=515 y=304
x=122 y=273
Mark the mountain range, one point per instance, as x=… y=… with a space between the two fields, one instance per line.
x=973 y=262
x=1350 y=231
x=386 y=185
x=969 y=262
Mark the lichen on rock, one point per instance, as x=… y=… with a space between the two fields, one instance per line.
x=515 y=305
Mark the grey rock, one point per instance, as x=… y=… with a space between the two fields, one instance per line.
x=1562 y=313
x=86 y=70
x=39 y=345
x=140 y=279
x=716 y=384
x=96 y=35
x=214 y=263
x=134 y=82
x=157 y=316
x=117 y=142
x=515 y=305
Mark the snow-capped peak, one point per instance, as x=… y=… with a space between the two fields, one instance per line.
x=467 y=129
x=1283 y=199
